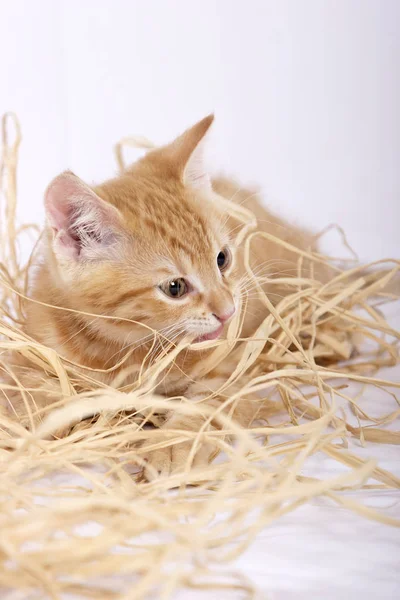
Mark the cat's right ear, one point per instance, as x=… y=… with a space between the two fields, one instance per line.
x=188 y=154
x=84 y=226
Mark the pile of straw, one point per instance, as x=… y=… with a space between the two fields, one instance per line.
x=149 y=539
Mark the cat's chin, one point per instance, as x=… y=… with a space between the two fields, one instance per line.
x=210 y=336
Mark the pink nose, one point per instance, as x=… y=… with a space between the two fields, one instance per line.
x=225 y=316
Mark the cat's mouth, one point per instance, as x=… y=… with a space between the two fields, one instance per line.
x=210 y=336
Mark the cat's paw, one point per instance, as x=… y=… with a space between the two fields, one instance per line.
x=175 y=459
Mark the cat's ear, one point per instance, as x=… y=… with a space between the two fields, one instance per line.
x=83 y=225
x=188 y=152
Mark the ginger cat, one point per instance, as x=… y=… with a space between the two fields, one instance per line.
x=154 y=246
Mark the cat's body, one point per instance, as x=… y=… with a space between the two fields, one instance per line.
x=149 y=250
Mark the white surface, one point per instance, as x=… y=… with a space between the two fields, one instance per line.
x=306 y=96
x=322 y=551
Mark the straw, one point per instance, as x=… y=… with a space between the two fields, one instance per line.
x=82 y=515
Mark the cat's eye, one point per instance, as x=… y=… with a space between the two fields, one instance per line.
x=176 y=288
x=224 y=259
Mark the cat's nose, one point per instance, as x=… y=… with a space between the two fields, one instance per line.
x=225 y=316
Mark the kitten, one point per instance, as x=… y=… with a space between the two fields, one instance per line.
x=154 y=246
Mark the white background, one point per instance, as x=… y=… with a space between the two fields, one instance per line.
x=306 y=95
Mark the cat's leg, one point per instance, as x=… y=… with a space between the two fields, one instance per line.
x=174 y=457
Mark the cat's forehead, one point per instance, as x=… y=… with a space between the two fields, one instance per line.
x=165 y=213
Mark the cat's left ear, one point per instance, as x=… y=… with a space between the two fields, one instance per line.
x=188 y=154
